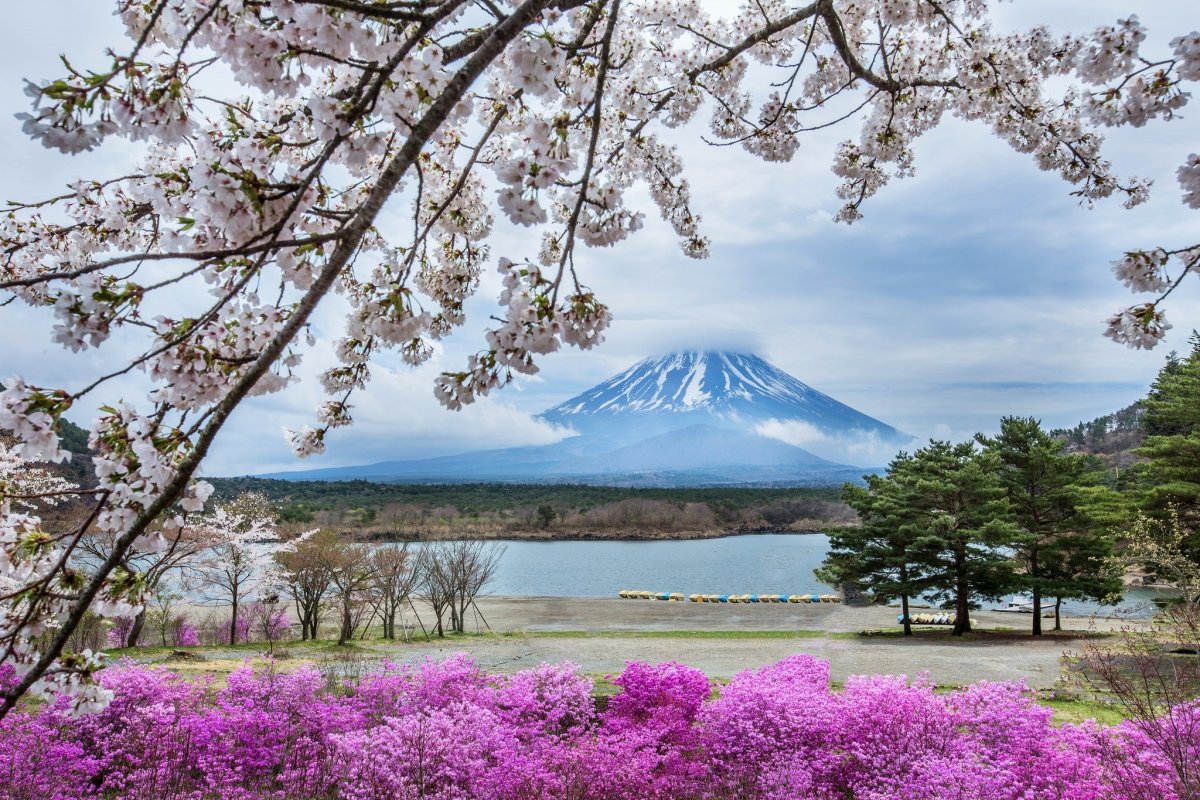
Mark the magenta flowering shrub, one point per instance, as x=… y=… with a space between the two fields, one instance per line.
x=450 y=731
x=41 y=760
x=186 y=634
x=263 y=621
x=142 y=741
x=118 y=634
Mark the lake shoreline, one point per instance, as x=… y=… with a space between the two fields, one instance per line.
x=598 y=535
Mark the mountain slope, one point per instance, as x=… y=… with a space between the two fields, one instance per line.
x=732 y=390
x=699 y=455
x=686 y=419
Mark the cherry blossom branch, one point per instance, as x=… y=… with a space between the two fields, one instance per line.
x=344 y=252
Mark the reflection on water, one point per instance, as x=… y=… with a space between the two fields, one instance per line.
x=769 y=563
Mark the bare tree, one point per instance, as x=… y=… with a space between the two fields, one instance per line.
x=435 y=582
x=160 y=612
x=472 y=565
x=401 y=516
x=454 y=573
x=394 y=578
x=351 y=575
x=184 y=552
x=306 y=576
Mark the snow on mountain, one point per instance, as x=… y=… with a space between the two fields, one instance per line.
x=732 y=390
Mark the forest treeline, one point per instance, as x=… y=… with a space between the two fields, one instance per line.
x=430 y=510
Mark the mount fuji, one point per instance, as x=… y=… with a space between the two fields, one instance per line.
x=685 y=419
x=727 y=390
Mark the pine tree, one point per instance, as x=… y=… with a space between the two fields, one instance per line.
x=1056 y=548
x=1080 y=566
x=877 y=555
x=1172 y=448
x=960 y=523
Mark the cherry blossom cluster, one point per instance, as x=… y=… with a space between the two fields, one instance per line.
x=209 y=256
x=241 y=537
x=27 y=485
x=451 y=731
x=31 y=558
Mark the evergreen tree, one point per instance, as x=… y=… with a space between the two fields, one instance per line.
x=1081 y=566
x=877 y=555
x=1054 y=545
x=961 y=525
x=1172 y=448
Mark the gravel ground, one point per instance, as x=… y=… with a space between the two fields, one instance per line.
x=610 y=623
x=612 y=615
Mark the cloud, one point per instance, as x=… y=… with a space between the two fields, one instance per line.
x=857 y=447
x=397 y=418
x=793 y=432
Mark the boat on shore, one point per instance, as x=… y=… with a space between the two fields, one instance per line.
x=1018 y=606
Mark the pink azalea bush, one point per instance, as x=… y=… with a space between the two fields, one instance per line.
x=450 y=731
x=186 y=634
x=118 y=634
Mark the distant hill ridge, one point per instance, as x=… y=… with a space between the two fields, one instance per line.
x=1111 y=434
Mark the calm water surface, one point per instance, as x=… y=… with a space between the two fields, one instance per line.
x=771 y=563
x=758 y=564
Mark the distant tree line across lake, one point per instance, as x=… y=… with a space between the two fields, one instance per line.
x=413 y=510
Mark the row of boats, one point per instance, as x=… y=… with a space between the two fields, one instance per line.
x=929 y=619
x=679 y=597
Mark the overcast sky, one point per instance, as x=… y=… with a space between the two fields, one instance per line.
x=976 y=289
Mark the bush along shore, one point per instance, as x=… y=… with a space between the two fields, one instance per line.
x=449 y=731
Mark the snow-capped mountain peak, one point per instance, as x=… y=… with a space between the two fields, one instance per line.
x=729 y=389
x=684 y=419
x=693 y=381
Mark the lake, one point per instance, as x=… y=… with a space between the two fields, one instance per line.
x=769 y=563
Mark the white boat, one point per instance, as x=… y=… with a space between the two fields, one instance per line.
x=1018 y=606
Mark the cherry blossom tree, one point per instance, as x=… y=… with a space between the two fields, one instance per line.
x=239 y=558
x=27 y=485
x=245 y=212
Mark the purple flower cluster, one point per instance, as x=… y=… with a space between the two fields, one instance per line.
x=450 y=731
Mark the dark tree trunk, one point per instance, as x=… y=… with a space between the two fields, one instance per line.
x=1058 y=613
x=962 y=594
x=309 y=618
x=904 y=601
x=347 y=631
x=302 y=615
x=1037 y=593
x=233 y=622
x=135 y=631
x=389 y=623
